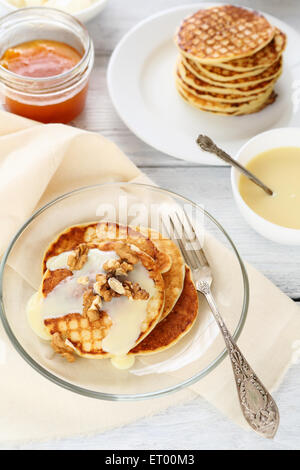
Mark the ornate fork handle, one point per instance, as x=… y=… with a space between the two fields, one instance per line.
x=258 y=407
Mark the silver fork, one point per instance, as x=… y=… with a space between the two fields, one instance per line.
x=257 y=405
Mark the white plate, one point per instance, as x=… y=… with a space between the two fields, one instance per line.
x=141 y=85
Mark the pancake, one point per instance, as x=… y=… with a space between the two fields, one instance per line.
x=222 y=34
x=221 y=108
x=170 y=330
x=220 y=74
x=224 y=105
x=68 y=307
x=268 y=74
x=220 y=97
x=187 y=75
x=98 y=232
x=174 y=277
x=230 y=59
x=261 y=59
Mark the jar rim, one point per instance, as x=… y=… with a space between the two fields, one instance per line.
x=65 y=75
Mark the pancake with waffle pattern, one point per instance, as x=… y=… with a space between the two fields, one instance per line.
x=186 y=76
x=220 y=74
x=261 y=59
x=177 y=324
x=222 y=34
x=98 y=232
x=270 y=73
x=83 y=333
x=222 y=108
x=174 y=277
x=223 y=98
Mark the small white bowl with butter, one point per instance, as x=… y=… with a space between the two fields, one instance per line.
x=83 y=10
x=273 y=156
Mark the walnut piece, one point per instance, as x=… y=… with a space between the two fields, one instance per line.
x=102 y=288
x=60 y=347
x=117 y=267
x=126 y=253
x=78 y=257
x=116 y=285
x=135 y=291
x=92 y=310
x=100 y=285
x=91 y=305
x=112 y=283
x=93 y=315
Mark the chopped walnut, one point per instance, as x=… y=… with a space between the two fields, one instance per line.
x=124 y=268
x=101 y=279
x=135 y=291
x=96 y=304
x=117 y=267
x=91 y=305
x=93 y=315
x=107 y=293
x=78 y=257
x=102 y=288
x=126 y=253
x=116 y=285
x=135 y=248
x=60 y=347
x=111 y=265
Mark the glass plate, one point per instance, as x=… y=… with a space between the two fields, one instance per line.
x=192 y=358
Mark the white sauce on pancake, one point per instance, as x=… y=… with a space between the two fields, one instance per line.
x=127 y=315
x=33 y=311
x=67 y=296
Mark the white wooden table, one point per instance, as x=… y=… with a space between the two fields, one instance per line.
x=195 y=425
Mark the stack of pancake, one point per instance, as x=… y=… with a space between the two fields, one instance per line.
x=230 y=59
x=172 y=314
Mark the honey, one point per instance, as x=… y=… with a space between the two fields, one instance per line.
x=46 y=59
x=42 y=59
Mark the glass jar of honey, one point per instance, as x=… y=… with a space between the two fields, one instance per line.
x=46 y=58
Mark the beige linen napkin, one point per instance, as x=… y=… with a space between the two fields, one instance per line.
x=39 y=162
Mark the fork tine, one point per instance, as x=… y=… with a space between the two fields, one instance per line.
x=186 y=241
x=179 y=241
x=198 y=252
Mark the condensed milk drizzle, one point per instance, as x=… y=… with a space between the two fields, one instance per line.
x=127 y=315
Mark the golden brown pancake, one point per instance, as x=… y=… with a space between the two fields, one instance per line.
x=223 y=108
x=170 y=330
x=268 y=73
x=230 y=59
x=261 y=59
x=94 y=233
x=186 y=75
x=223 y=33
x=205 y=105
x=221 y=97
x=86 y=336
x=174 y=277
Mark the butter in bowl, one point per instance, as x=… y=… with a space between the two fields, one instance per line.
x=83 y=10
x=274 y=157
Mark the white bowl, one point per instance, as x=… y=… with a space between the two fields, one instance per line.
x=282 y=137
x=84 y=15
